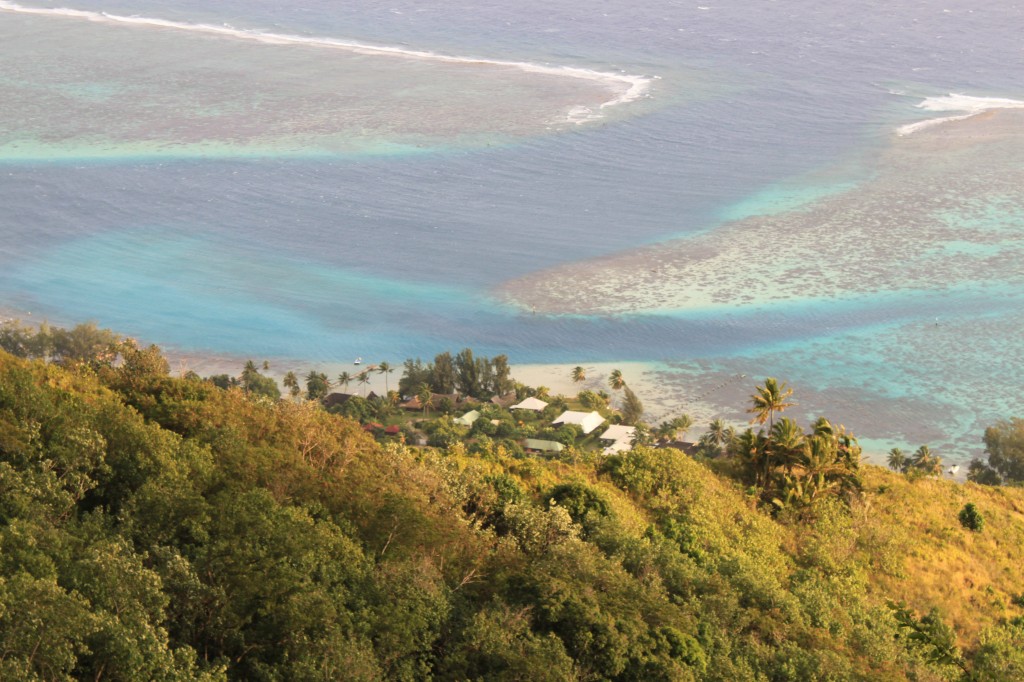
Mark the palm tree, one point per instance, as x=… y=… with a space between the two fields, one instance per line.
x=823 y=427
x=364 y=379
x=822 y=459
x=683 y=423
x=249 y=372
x=615 y=380
x=788 y=443
x=928 y=463
x=579 y=374
x=897 y=460
x=424 y=395
x=316 y=385
x=542 y=392
x=665 y=432
x=673 y=429
x=344 y=379
x=291 y=382
x=385 y=369
x=718 y=434
x=768 y=400
x=751 y=449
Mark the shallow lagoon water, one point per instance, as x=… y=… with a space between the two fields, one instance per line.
x=91 y=84
x=311 y=249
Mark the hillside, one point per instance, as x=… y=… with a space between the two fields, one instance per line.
x=154 y=527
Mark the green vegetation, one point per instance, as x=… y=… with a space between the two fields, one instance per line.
x=1004 y=446
x=476 y=377
x=971 y=518
x=922 y=463
x=165 y=528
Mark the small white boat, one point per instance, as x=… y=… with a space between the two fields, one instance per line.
x=358 y=361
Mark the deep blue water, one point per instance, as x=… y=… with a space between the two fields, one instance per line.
x=326 y=258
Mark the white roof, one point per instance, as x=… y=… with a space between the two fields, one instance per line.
x=618 y=446
x=622 y=437
x=534 y=404
x=588 y=421
x=468 y=418
x=619 y=432
x=543 y=445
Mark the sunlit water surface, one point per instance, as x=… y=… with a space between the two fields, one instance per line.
x=311 y=204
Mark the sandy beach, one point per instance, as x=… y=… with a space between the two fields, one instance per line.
x=665 y=391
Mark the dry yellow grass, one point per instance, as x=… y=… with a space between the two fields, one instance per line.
x=971 y=577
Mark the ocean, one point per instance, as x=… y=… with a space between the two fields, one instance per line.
x=317 y=181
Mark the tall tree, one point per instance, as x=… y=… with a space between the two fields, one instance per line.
x=364 y=379
x=632 y=408
x=414 y=373
x=1004 y=445
x=615 y=380
x=579 y=374
x=751 y=449
x=385 y=368
x=344 y=379
x=424 y=396
x=291 y=382
x=467 y=373
x=927 y=462
x=442 y=373
x=718 y=433
x=682 y=424
x=787 y=443
x=896 y=460
x=672 y=429
x=768 y=400
x=249 y=374
x=501 y=375
x=316 y=385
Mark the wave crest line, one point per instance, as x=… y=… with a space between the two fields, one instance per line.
x=635 y=86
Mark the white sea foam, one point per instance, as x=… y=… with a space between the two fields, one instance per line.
x=954 y=102
x=627 y=87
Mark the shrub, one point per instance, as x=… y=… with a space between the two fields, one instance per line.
x=971 y=518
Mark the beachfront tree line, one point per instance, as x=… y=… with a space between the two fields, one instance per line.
x=922 y=463
x=470 y=375
x=87 y=345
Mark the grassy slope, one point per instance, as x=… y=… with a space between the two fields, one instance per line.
x=971 y=577
x=902 y=540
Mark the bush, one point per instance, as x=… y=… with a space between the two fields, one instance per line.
x=971 y=518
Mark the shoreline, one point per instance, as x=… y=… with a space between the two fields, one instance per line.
x=700 y=389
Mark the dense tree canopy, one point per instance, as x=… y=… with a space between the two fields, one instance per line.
x=164 y=528
x=1004 y=446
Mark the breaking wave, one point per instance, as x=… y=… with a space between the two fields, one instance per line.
x=972 y=106
x=627 y=87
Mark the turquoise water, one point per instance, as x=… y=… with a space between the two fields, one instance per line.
x=247 y=199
